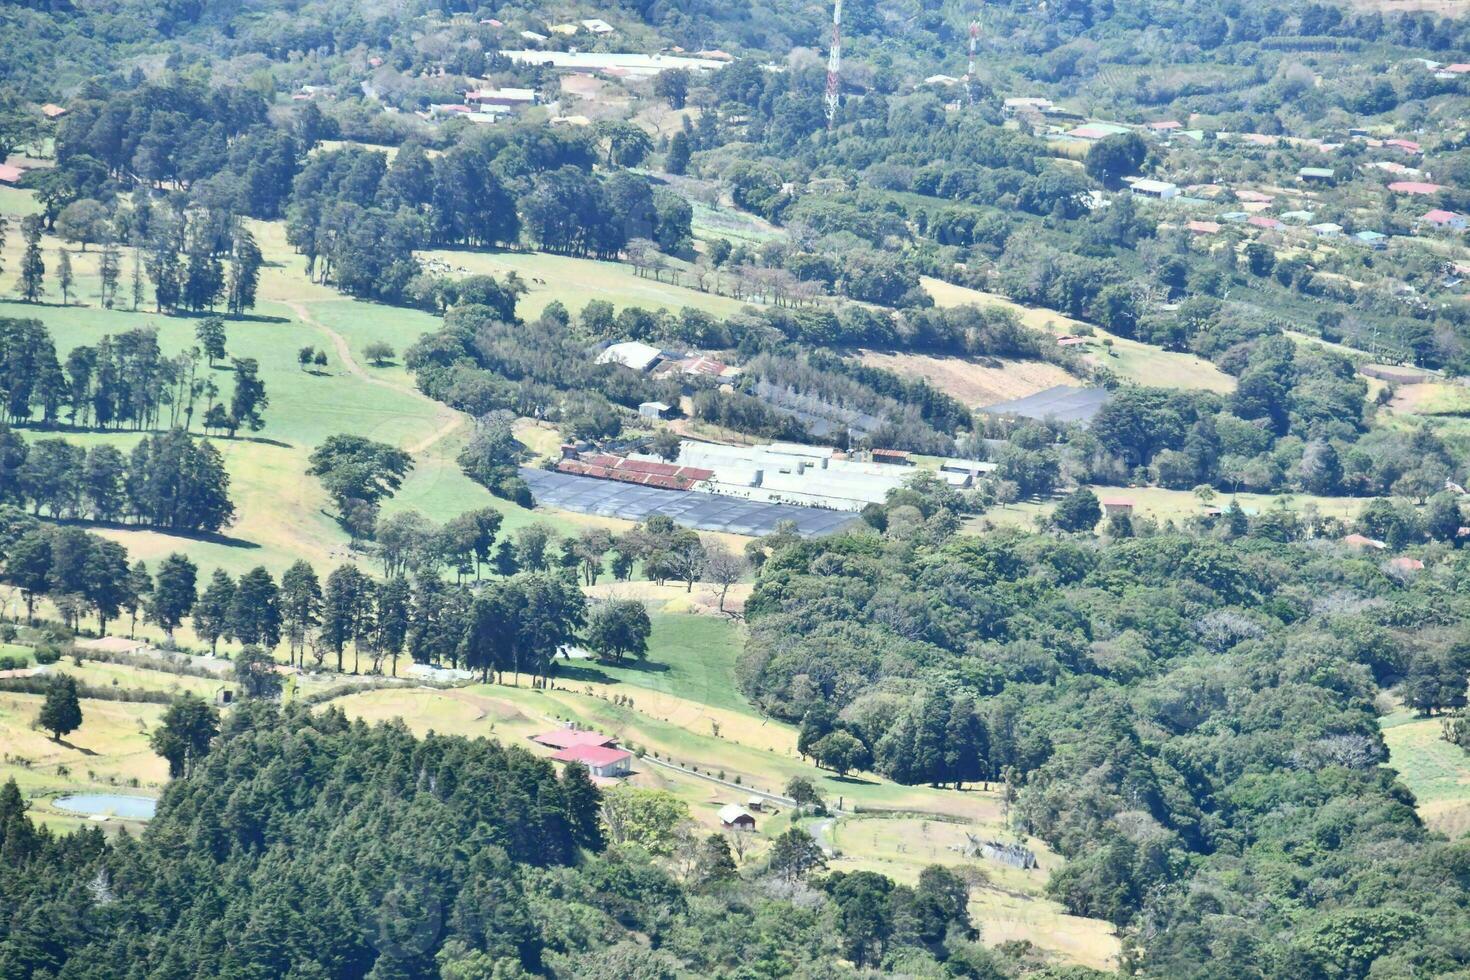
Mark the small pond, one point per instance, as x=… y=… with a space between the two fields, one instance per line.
x=108 y=804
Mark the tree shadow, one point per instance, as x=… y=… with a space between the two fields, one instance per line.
x=642 y=666
x=855 y=780
x=75 y=748
x=208 y=537
x=573 y=670
x=31 y=426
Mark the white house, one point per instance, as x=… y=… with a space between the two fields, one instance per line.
x=1159 y=190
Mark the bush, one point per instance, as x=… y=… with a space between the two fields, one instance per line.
x=47 y=655
x=12 y=662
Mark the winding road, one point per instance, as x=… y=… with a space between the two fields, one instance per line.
x=449 y=421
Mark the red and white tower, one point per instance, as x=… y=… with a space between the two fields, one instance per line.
x=970 y=67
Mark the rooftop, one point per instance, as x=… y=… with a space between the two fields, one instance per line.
x=592 y=755
x=566 y=738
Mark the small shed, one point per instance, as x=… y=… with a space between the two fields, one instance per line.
x=1117 y=505
x=654 y=410
x=1160 y=190
x=756 y=803
x=733 y=816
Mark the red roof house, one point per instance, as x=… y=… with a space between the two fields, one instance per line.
x=601 y=760
x=566 y=738
x=1445 y=219
x=1261 y=221
x=1203 y=227
x=1408 y=146
x=9 y=174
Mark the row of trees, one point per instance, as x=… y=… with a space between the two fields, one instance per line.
x=168 y=481
x=125 y=381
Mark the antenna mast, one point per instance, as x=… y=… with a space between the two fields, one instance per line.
x=834 y=63
x=970 y=67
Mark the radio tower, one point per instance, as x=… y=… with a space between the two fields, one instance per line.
x=970 y=68
x=834 y=63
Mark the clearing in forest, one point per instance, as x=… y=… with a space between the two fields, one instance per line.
x=976 y=382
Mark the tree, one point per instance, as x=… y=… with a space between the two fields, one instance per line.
x=255 y=672
x=677 y=161
x=841 y=752
x=685 y=556
x=185 y=733
x=84 y=221
x=1078 y=511
x=109 y=268
x=378 y=353
x=346 y=603
x=804 y=792
x=714 y=864
x=210 y=332
x=173 y=592
x=61 y=712
x=28 y=567
x=255 y=612
x=673 y=85
x=359 y=471
x=723 y=568
x=305 y=356
x=249 y=398
x=1114 y=157
x=795 y=854
x=244 y=277
x=647 y=817
x=617 y=629
x=301 y=605
x=140 y=588
x=32 y=266
x=64 y=277
x=211 y=614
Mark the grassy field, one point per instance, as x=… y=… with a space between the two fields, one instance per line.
x=1129 y=359
x=574 y=281
x=1008 y=905
x=1431 y=398
x=1437 y=772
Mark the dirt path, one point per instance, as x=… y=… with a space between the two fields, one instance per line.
x=449 y=420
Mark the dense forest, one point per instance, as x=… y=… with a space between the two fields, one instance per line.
x=1189 y=718
x=305 y=845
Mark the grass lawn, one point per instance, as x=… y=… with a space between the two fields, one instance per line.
x=1129 y=359
x=1436 y=771
x=109 y=753
x=1009 y=905
x=574 y=281
x=689 y=656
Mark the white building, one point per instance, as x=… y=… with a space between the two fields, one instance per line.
x=1159 y=190
x=631 y=354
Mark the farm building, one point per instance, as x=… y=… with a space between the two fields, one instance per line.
x=1158 y=190
x=1326 y=229
x=113 y=644
x=508 y=97
x=1405 y=564
x=631 y=354
x=1362 y=541
x=600 y=760
x=567 y=738
x=9 y=174
x=893 y=457
x=643 y=471
x=1445 y=219
x=1203 y=227
x=654 y=410
x=1375 y=240
x=1064 y=403
x=1315 y=175
x=1020 y=104
x=733 y=816
x=1117 y=505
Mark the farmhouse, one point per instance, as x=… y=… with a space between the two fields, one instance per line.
x=508 y=97
x=1315 y=175
x=1375 y=240
x=9 y=174
x=1326 y=229
x=600 y=760
x=567 y=738
x=1444 y=219
x=733 y=816
x=1203 y=227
